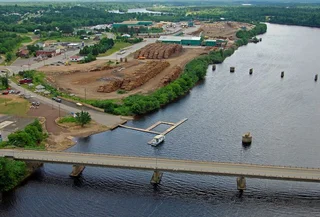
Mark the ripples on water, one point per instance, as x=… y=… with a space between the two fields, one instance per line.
x=282 y=114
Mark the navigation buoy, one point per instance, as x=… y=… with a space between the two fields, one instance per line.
x=213 y=67
x=316 y=77
x=246 y=138
x=250 y=71
x=232 y=69
x=282 y=74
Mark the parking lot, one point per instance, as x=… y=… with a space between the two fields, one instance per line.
x=10 y=124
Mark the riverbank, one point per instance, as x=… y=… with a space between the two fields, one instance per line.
x=66 y=138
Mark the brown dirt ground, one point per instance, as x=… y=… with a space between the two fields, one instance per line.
x=65 y=139
x=75 y=79
x=50 y=115
x=221 y=29
x=74 y=67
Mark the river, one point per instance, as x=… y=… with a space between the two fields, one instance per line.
x=283 y=116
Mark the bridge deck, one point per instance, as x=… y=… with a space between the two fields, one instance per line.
x=185 y=166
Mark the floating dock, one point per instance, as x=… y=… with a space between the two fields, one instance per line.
x=150 y=129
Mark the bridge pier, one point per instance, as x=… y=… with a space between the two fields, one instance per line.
x=156 y=177
x=77 y=170
x=241 y=183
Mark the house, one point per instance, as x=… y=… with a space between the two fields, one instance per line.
x=46 y=53
x=24 y=53
x=76 y=58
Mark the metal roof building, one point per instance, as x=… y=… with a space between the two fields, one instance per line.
x=183 y=40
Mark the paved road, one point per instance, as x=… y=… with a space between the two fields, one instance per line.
x=15 y=68
x=100 y=117
x=185 y=166
x=129 y=50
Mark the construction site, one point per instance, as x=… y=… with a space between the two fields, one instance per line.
x=146 y=70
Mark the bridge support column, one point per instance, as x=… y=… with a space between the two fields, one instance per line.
x=241 y=183
x=77 y=170
x=156 y=177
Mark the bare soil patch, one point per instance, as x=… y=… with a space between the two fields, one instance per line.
x=96 y=79
x=222 y=30
x=65 y=139
x=50 y=114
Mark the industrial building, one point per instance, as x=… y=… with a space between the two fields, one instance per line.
x=132 y=23
x=183 y=40
x=210 y=43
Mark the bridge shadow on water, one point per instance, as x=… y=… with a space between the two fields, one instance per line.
x=210 y=192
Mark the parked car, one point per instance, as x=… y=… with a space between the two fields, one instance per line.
x=57 y=99
x=35 y=103
x=5 y=92
x=25 y=81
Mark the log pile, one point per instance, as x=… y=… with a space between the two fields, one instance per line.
x=158 y=51
x=143 y=74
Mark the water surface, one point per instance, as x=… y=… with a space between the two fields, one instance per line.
x=283 y=116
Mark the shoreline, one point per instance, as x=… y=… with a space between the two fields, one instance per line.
x=66 y=140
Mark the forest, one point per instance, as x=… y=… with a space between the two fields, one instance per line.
x=67 y=17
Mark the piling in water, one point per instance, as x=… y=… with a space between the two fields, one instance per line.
x=213 y=67
x=282 y=74
x=232 y=69
x=316 y=77
x=251 y=71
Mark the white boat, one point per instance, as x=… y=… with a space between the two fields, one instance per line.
x=156 y=140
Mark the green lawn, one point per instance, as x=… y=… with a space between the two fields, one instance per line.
x=9 y=107
x=116 y=47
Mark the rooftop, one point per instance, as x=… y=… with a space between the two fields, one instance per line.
x=178 y=38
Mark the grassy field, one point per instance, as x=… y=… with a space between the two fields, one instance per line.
x=12 y=106
x=116 y=47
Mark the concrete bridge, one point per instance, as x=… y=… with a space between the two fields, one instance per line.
x=158 y=165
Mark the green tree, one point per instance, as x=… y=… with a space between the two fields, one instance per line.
x=20 y=139
x=11 y=173
x=5 y=82
x=9 y=57
x=83 y=118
